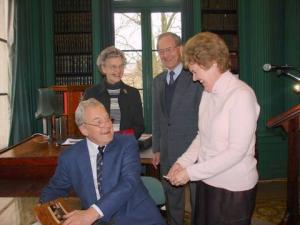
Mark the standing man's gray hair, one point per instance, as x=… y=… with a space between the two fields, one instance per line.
x=177 y=39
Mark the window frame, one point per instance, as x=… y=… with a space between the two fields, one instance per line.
x=135 y=6
x=4 y=92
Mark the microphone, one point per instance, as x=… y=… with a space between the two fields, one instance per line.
x=268 y=67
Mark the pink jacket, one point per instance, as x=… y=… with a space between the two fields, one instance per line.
x=222 y=154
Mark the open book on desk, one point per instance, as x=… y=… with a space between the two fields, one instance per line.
x=145 y=141
x=71 y=141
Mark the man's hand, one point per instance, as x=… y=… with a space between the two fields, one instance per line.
x=81 y=217
x=179 y=178
x=156 y=159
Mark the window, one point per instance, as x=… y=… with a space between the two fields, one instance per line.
x=161 y=23
x=136 y=31
x=128 y=38
x=4 y=78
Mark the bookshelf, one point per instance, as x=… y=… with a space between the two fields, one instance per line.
x=220 y=17
x=73 y=42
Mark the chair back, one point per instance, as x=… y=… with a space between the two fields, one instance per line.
x=48 y=104
x=155 y=189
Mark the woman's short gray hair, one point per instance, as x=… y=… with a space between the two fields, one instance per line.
x=109 y=52
x=79 y=113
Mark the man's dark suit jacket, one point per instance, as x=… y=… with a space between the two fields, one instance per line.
x=172 y=134
x=125 y=199
x=130 y=105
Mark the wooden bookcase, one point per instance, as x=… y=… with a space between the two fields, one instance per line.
x=220 y=17
x=73 y=42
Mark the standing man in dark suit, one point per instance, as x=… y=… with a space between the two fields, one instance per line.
x=104 y=172
x=176 y=101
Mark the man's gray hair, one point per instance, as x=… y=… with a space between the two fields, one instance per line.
x=79 y=113
x=176 y=38
x=109 y=52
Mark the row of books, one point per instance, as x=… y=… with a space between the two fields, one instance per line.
x=72 y=5
x=231 y=40
x=73 y=43
x=73 y=22
x=219 y=4
x=70 y=64
x=213 y=21
x=234 y=61
x=73 y=79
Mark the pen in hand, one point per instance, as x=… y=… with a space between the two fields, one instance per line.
x=166 y=177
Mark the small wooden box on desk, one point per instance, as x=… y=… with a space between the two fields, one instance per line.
x=51 y=213
x=71 y=96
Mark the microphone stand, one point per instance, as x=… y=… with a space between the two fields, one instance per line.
x=285 y=72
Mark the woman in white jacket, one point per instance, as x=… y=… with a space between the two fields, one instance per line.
x=221 y=157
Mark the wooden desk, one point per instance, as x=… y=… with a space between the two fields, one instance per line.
x=33 y=158
x=25 y=168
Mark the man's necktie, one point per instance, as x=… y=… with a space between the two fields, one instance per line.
x=171 y=77
x=100 y=168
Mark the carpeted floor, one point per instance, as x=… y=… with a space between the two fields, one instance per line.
x=270 y=203
x=269 y=210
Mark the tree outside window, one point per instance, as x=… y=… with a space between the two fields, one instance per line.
x=128 y=37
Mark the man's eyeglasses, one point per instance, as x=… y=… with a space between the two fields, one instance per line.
x=166 y=50
x=99 y=123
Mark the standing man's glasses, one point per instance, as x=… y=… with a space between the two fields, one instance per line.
x=166 y=50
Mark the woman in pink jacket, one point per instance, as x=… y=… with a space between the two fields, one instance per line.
x=221 y=157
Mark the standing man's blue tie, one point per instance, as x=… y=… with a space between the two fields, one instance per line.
x=171 y=77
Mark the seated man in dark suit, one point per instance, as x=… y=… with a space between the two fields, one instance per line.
x=104 y=172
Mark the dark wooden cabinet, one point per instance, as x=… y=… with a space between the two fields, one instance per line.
x=70 y=96
x=73 y=42
x=290 y=122
x=220 y=17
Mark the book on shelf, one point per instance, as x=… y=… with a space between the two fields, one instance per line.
x=73 y=42
x=72 y=5
x=219 y=4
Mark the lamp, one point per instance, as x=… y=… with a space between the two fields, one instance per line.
x=48 y=106
x=296 y=88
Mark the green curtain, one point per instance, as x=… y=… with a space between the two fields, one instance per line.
x=103 y=34
x=269 y=33
x=261 y=41
x=31 y=66
x=191 y=18
x=292 y=47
